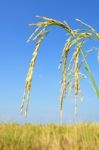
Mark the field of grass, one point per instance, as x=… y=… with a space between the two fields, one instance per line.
x=83 y=136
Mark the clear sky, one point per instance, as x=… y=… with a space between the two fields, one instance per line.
x=15 y=55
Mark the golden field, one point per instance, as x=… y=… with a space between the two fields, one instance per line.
x=80 y=136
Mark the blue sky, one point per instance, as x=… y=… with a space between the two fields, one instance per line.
x=15 y=55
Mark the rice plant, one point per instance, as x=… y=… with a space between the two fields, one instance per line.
x=81 y=136
x=71 y=71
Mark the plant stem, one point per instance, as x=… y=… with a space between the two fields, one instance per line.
x=91 y=75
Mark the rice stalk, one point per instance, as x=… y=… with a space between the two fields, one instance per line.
x=64 y=72
x=70 y=71
x=50 y=21
x=90 y=27
x=26 y=95
x=31 y=36
x=40 y=34
x=76 y=72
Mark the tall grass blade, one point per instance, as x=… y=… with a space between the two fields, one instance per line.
x=91 y=75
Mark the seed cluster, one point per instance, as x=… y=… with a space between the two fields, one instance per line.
x=70 y=68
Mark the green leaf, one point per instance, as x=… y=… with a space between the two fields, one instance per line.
x=91 y=75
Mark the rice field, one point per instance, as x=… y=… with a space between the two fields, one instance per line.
x=80 y=136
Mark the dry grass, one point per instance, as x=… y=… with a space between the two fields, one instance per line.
x=49 y=137
x=70 y=71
